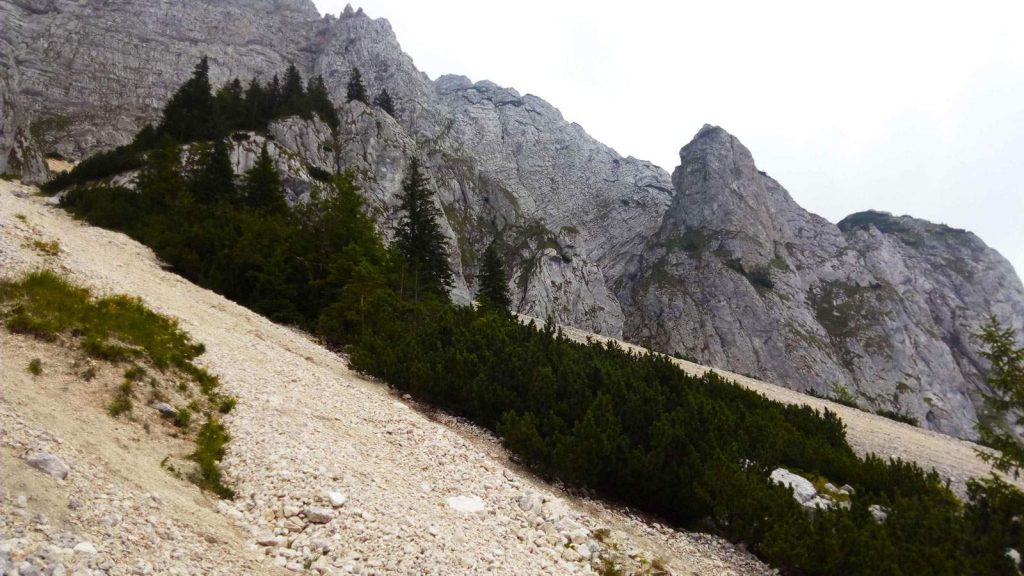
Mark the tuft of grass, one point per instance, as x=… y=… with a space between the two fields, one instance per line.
x=135 y=374
x=35 y=367
x=51 y=248
x=227 y=404
x=210 y=447
x=183 y=417
x=89 y=374
x=122 y=402
x=21 y=217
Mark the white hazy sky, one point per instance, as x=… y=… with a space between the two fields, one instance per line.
x=909 y=107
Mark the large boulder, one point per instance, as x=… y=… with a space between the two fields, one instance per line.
x=48 y=464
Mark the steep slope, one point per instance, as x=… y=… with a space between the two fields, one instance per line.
x=717 y=262
x=304 y=425
x=741 y=276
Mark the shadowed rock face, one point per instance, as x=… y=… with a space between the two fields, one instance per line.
x=716 y=262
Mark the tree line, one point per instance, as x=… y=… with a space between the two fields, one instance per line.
x=195 y=112
x=696 y=451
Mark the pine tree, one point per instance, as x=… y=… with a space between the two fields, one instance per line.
x=1005 y=378
x=418 y=237
x=230 y=105
x=320 y=101
x=255 y=106
x=492 y=283
x=293 y=95
x=263 y=189
x=356 y=90
x=384 y=102
x=214 y=180
x=273 y=99
x=159 y=182
x=190 y=114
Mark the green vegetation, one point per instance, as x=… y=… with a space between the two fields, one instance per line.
x=195 y=113
x=51 y=248
x=114 y=329
x=355 y=89
x=35 y=367
x=898 y=416
x=492 y=283
x=384 y=102
x=696 y=451
x=210 y=445
x=1005 y=400
x=418 y=238
x=692 y=241
x=882 y=221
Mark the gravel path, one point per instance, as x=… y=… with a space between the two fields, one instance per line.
x=335 y=474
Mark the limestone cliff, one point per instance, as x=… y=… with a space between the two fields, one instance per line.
x=716 y=262
x=739 y=275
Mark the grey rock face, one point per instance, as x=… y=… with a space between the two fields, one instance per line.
x=740 y=276
x=19 y=154
x=716 y=262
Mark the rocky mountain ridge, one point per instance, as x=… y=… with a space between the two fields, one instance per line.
x=715 y=262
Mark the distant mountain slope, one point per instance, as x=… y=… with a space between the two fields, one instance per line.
x=716 y=262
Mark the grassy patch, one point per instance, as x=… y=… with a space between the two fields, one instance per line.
x=51 y=248
x=35 y=367
x=121 y=330
x=210 y=443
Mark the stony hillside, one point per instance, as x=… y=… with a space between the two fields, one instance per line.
x=335 y=474
x=716 y=262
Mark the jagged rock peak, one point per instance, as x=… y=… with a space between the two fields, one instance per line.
x=349 y=13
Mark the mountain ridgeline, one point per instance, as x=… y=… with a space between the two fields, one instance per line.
x=715 y=262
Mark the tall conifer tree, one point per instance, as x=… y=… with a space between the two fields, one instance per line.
x=263 y=189
x=356 y=90
x=190 y=114
x=293 y=95
x=492 y=282
x=418 y=236
x=214 y=180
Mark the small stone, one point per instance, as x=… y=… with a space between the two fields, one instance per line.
x=570 y=554
x=879 y=513
x=466 y=504
x=268 y=539
x=337 y=499
x=165 y=409
x=1014 y=556
x=317 y=515
x=85 y=548
x=48 y=464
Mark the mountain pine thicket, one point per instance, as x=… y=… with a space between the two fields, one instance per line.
x=696 y=451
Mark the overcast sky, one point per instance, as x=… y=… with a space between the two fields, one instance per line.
x=912 y=108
